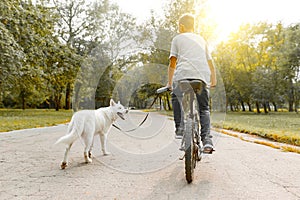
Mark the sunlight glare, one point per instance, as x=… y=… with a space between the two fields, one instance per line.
x=141 y=9
x=231 y=14
x=228 y=16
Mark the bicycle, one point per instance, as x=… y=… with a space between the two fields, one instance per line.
x=190 y=143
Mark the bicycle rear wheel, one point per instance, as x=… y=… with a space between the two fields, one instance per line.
x=189 y=151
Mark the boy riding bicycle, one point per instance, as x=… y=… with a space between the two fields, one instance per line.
x=190 y=59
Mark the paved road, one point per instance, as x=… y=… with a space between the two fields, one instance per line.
x=144 y=165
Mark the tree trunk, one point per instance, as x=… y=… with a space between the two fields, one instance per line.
x=257 y=107
x=231 y=107
x=168 y=102
x=291 y=103
x=57 y=100
x=23 y=99
x=68 y=97
x=164 y=103
x=249 y=105
x=291 y=97
x=160 y=103
x=243 y=106
x=226 y=107
x=269 y=106
x=275 y=106
x=265 y=108
x=76 y=97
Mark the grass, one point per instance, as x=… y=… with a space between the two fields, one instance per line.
x=16 y=119
x=275 y=145
x=280 y=126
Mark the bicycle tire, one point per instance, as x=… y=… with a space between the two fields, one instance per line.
x=189 y=151
x=196 y=135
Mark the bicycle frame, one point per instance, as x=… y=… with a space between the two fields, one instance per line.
x=190 y=142
x=190 y=95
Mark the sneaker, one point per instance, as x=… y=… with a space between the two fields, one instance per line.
x=178 y=133
x=207 y=145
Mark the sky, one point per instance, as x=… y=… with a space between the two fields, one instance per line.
x=141 y=9
x=228 y=14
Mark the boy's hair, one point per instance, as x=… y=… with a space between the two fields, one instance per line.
x=187 y=20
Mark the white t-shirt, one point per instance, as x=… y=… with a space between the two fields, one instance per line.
x=192 y=55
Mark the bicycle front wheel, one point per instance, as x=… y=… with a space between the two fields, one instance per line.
x=189 y=147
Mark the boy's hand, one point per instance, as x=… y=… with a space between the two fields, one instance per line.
x=213 y=84
x=213 y=77
x=169 y=87
x=171 y=70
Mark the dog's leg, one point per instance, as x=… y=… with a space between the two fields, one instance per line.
x=86 y=153
x=86 y=157
x=64 y=163
x=91 y=148
x=103 y=138
x=88 y=143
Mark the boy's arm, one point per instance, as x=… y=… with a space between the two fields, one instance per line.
x=213 y=78
x=171 y=70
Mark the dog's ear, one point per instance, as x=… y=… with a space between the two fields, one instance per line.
x=118 y=102
x=112 y=103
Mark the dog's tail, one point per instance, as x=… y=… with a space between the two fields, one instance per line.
x=67 y=139
x=73 y=131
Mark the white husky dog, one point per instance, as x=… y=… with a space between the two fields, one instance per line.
x=88 y=123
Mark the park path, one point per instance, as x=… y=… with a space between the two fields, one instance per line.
x=143 y=165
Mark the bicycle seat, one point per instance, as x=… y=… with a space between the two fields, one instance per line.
x=191 y=85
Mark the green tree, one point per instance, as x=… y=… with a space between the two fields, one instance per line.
x=290 y=63
x=72 y=26
x=260 y=64
x=111 y=36
x=225 y=56
x=11 y=53
x=31 y=28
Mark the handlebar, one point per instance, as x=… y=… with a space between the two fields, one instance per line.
x=162 y=89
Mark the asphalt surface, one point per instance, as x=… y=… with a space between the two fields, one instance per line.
x=144 y=164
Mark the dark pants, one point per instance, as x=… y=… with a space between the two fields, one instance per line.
x=203 y=105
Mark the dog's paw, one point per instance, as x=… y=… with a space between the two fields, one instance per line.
x=87 y=158
x=106 y=153
x=88 y=161
x=63 y=165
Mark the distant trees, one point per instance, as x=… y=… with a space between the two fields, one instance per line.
x=260 y=66
x=110 y=37
x=55 y=51
x=43 y=47
x=26 y=48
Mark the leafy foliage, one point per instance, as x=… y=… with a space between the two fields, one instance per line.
x=258 y=66
x=50 y=52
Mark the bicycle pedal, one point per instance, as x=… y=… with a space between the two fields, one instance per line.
x=181 y=158
x=181 y=149
x=208 y=151
x=199 y=158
